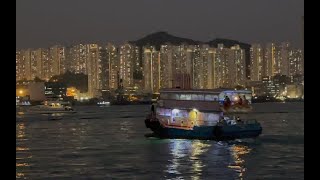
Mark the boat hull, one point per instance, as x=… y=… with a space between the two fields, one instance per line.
x=217 y=132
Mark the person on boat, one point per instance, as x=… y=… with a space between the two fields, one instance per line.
x=222 y=119
x=240 y=102
x=153 y=112
x=227 y=102
x=245 y=101
x=239 y=120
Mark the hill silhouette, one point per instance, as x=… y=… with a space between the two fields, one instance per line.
x=159 y=38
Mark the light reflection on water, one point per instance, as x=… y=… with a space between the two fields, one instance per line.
x=198 y=148
x=192 y=153
x=20 y=149
x=237 y=151
x=112 y=146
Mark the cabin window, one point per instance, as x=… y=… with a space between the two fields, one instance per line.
x=160 y=111
x=163 y=96
x=173 y=96
x=183 y=97
x=188 y=96
x=163 y=112
x=209 y=97
x=213 y=117
x=197 y=97
x=167 y=112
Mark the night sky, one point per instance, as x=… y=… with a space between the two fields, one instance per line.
x=42 y=23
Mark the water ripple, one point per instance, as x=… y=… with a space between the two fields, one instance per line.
x=100 y=143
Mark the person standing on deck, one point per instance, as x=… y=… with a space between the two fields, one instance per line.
x=227 y=102
x=245 y=101
x=240 y=102
x=153 y=112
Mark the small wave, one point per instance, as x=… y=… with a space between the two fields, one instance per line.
x=274 y=112
x=90 y=118
x=281 y=139
x=131 y=116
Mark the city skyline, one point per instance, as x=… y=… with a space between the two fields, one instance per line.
x=41 y=26
x=150 y=69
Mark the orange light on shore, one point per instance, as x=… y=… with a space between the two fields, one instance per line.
x=72 y=91
x=21 y=92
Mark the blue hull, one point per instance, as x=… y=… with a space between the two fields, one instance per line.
x=225 y=132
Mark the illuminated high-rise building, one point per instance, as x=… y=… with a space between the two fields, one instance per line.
x=77 y=58
x=196 y=66
x=93 y=70
x=128 y=58
x=20 y=66
x=296 y=62
x=31 y=64
x=182 y=56
x=236 y=66
x=203 y=67
x=108 y=58
x=151 y=69
x=221 y=67
x=179 y=59
x=211 y=68
x=284 y=59
x=57 y=60
x=41 y=56
x=256 y=58
x=26 y=60
x=166 y=66
x=271 y=63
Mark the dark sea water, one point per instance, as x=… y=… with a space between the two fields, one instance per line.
x=109 y=143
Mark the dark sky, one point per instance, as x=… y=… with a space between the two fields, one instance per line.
x=43 y=23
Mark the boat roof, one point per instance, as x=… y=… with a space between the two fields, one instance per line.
x=213 y=91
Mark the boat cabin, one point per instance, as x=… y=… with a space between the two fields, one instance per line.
x=197 y=106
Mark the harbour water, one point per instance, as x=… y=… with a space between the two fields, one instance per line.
x=109 y=143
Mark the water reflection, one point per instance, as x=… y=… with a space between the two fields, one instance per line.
x=21 y=131
x=186 y=153
x=178 y=150
x=126 y=129
x=198 y=149
x=238 y=151
x=21 y=151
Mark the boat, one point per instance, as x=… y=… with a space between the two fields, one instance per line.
x=22 y=103
x=202 y=114
x=49 y=107
x=103 y=103
x=55 y=116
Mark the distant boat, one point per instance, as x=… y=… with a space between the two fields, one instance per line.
x=103 y=103
x=52 y=107
x=55 y=116
x=199 y=114
x=23 y=103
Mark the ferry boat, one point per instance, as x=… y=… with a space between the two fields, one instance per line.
x=200 y=114
x=52 y=107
